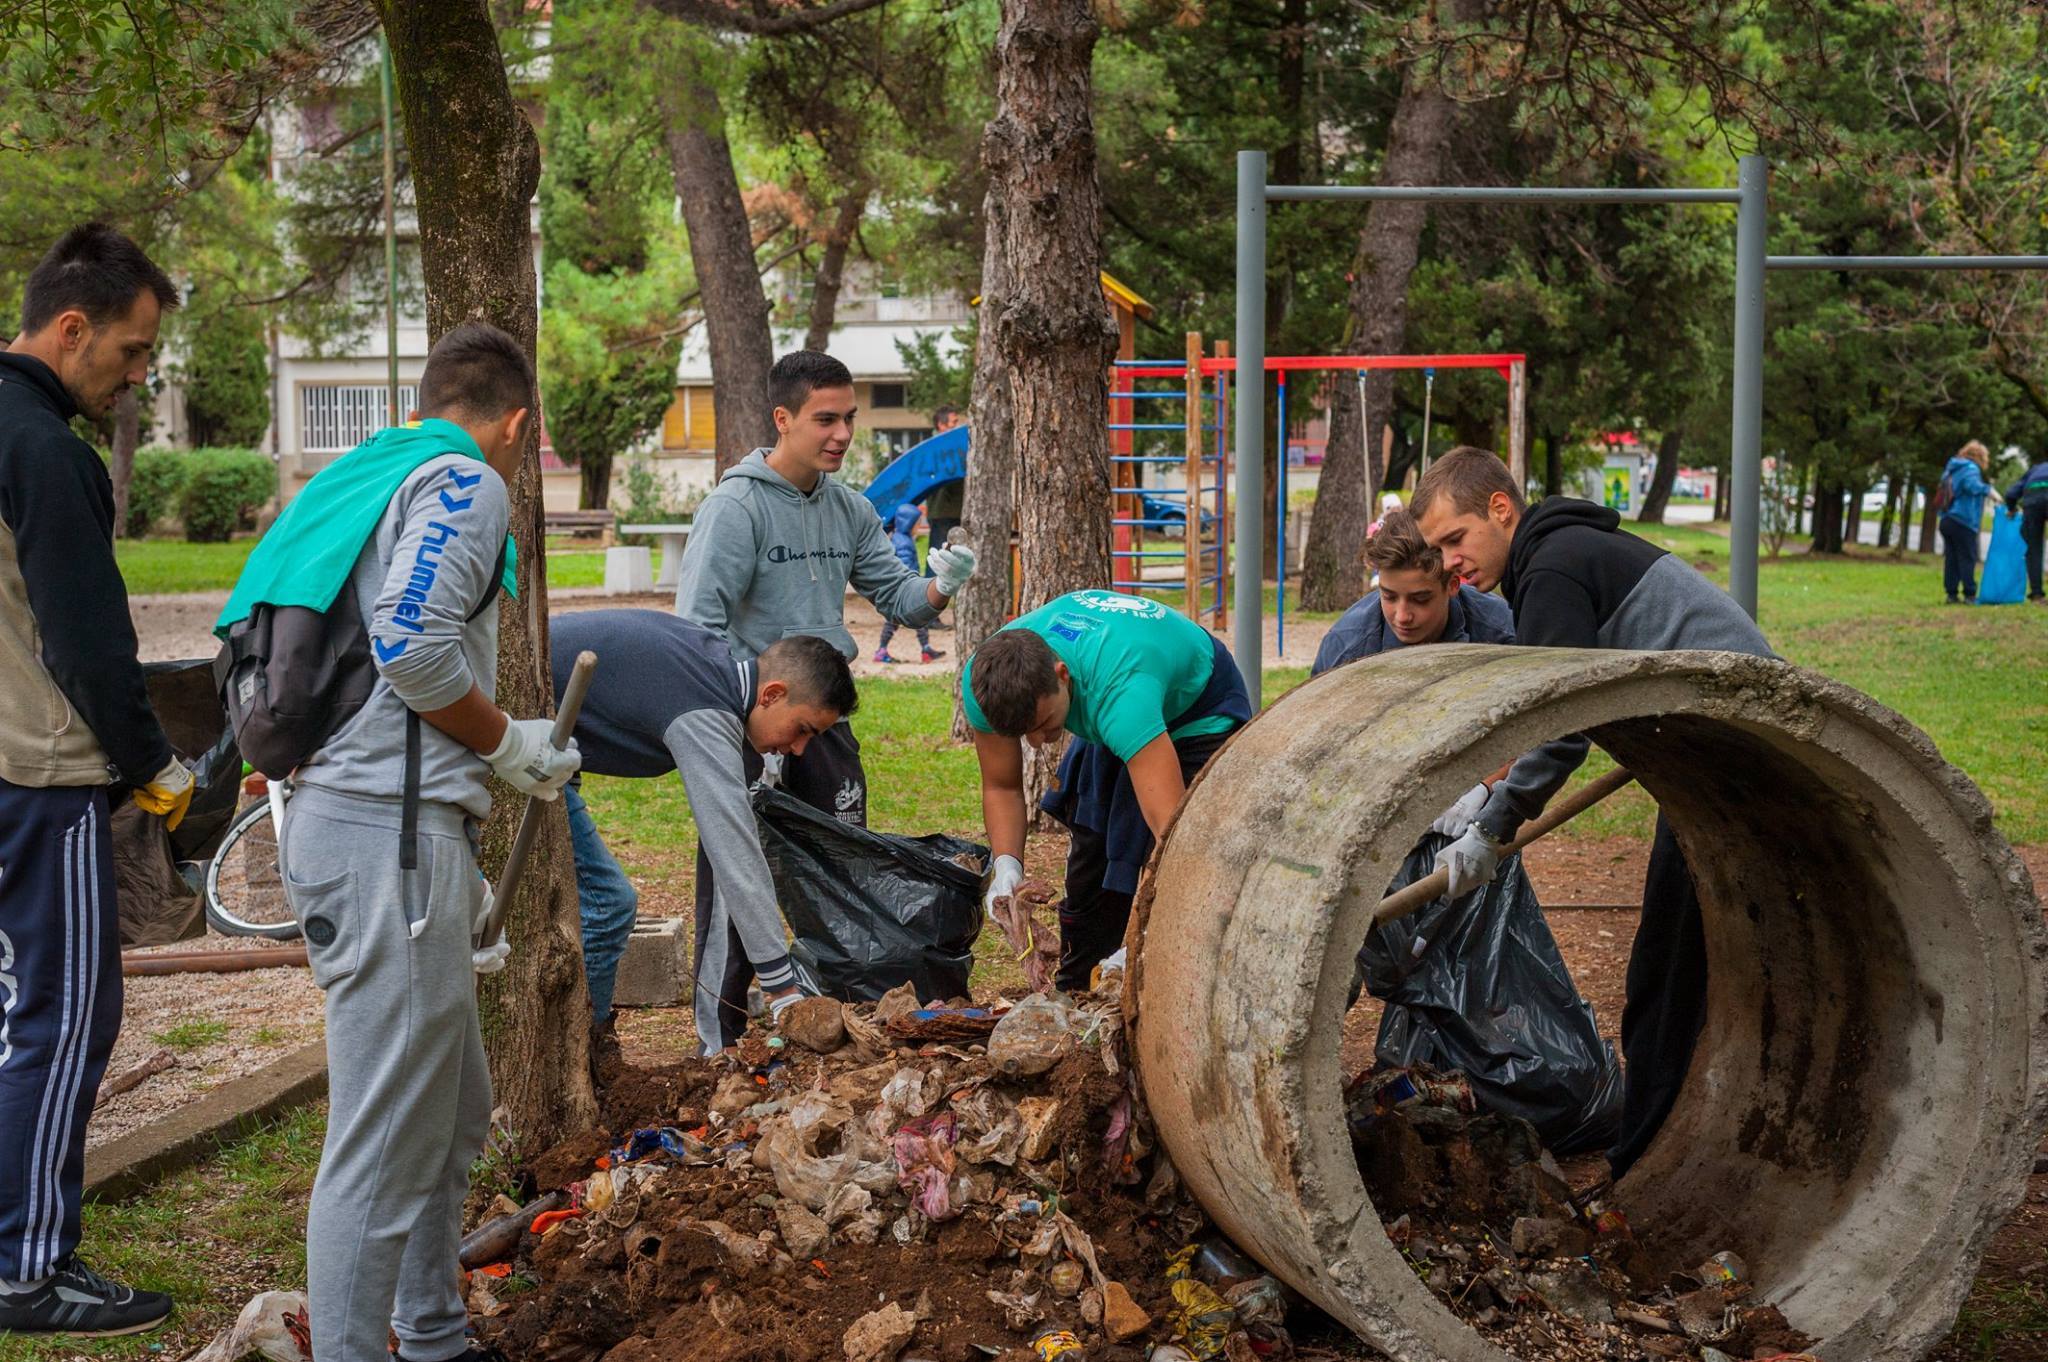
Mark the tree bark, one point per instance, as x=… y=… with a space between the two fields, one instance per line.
x=722 y=253
x=1553 y=464
x=1929 y=517
x=594 y=482
x=831 y=274
x=475 y=165
x=121 y=467
x=1852 y=527
x=988 y=510
x=1662 y=481
x=1827 y=516
x=1333 y=573
x=1053 y=333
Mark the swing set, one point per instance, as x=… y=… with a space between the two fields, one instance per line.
x=1202 y=384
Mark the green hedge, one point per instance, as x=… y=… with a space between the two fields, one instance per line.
x=153 y=487
x=223 y=491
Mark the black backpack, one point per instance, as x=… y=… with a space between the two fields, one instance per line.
x=290 y=677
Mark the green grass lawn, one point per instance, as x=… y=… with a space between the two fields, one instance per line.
x=211 y=1237
x=165 y=566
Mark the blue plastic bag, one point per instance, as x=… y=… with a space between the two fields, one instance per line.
x=2005 y=569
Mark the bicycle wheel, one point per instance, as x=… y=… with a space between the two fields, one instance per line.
x=244 y=886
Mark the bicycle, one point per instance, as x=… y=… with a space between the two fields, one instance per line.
x=244 y=890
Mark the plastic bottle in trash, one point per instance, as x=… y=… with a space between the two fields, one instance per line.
x=1217 y=1259
x=1722 y=1269
x=1057 y=1345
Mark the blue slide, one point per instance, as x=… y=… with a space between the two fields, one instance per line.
x=918 y=471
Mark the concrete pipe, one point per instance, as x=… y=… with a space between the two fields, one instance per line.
x=1864 y=1105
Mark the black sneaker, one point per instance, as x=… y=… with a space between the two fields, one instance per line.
x=78 y=1301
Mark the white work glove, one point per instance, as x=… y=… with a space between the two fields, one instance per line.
x=1471 y=861
x=950 y=566
x=488 y=959
x=1454 y=820
x=168 y=794
x=1004 y=880
x=528 y=760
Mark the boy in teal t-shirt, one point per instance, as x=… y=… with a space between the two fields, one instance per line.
x=1149 y=695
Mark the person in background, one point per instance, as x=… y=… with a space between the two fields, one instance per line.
x=2028 y=499
x=903 y=538
x=1962 y=520
x=74 y=719
x=1389 y=504
x=948 y=500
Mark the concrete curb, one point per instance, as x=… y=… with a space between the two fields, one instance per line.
x=120 y=1168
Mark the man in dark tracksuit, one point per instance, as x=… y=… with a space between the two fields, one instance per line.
x=74 y=719
x=1575 y=580
x=672 y=697
x=2028 y=499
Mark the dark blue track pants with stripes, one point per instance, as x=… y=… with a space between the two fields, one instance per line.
x=60 y=1008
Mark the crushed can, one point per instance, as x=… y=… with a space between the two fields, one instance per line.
x=1057 y=1345
x=1723 y=1269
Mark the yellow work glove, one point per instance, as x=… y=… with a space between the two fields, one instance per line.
x=168 y=794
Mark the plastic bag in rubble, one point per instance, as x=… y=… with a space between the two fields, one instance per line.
x=869 y=910
x=924 y=1163
x=274 y=1327
x=158 y=904
x=1035 y=1035
x=1477 y=985
x=789 y=1146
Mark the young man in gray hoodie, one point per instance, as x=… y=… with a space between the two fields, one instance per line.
x=771 y=553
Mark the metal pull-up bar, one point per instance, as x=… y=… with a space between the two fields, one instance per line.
x=1751 y=264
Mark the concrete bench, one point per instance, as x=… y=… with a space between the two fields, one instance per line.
x=673 y=538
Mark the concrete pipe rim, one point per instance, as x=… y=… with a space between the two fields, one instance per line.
x=1315 y=834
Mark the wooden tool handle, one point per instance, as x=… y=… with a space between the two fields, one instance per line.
x=529 y=821
x=1408 y=898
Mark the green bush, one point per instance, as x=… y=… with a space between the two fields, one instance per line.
x=153 y=488
x=224 y=488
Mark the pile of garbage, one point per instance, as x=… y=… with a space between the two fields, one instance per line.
x=1486 y=1217
x=874 y=1182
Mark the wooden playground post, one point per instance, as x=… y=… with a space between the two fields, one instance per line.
x=1191 y=527
x=1518 y=426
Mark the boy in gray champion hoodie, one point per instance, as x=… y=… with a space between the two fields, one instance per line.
x=771 y=553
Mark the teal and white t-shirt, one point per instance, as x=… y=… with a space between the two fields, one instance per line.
x=1135 y=666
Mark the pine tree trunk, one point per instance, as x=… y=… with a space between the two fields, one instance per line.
x=121 y=466
x=1053 y=333
x=831 y=276
x=989 y=507
x=1929 y=517
x=1388 y=245
x=1662 y=481
x=722 y=252
x=594 y=482
x=475 y=165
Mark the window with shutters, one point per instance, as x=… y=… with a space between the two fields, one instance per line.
x=336 y=417
x=688 y=423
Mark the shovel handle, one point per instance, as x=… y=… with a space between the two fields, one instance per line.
x=529 y=821
x=1408 y=898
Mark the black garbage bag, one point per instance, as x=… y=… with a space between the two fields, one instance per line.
x=1477 y=985
x=158 y=904
x=870 y=910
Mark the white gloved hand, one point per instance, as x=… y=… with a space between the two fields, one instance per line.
x=488 y=959
x=950 y=567
x=1454 y=820
x=1471 y=861
x=528 y=760
x=1004 y=879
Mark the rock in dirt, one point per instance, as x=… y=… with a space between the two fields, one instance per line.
x=1574 y=1291
x=879 y=1335
x=817 y=1024
x=803 y=1233
x=1541 y=1237
x=1122 y=1317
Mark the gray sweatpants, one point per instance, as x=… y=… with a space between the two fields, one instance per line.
x=409 y=1097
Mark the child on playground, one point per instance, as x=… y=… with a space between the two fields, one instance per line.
x=386 y=886
x=1149 y=695
x=671 y=697
x=1575 y=579
x=903 y=538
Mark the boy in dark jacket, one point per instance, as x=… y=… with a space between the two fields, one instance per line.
x=2028 y=499
x=74 y=719
x=903 y=538
x=1575 y=580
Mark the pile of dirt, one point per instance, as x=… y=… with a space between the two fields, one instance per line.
x=945 y=1183
x=1490 y=1224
